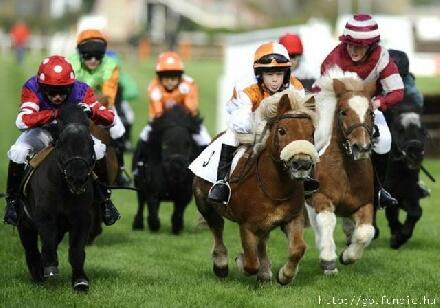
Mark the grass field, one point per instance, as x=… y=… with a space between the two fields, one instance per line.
x=131 y=269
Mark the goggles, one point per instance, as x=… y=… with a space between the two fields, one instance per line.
x=90 y=55
x=51 y=90
x=273 y=58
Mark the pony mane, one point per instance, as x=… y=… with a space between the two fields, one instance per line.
x=268 y=110
x=72 y=113
x=326 y=101
x=176 y=116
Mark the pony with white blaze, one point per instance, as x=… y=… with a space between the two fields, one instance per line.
x=344 y=140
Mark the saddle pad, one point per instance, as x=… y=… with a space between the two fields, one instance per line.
x=40 y=156
x=205 y=165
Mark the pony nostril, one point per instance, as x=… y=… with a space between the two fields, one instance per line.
x=301 y=164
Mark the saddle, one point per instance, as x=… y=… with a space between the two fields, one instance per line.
x=34 y=162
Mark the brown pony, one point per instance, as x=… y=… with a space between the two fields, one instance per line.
x=345 y=172
x=266 y=190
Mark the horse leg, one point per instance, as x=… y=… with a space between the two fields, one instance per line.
x=153 y=214
x=49 y=241
x=348 y=226
x=325 y=220
x=177 y=217
x=312 y=219
x=216 y=224
x=265 y=272
x=247 y=262
x=29 y=240
x=362 y=235
x=138 y=222
x=77 y=255
x=295 y=235
x=392 y=215
x=413 y=215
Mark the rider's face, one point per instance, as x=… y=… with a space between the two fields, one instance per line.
x=170 y=83
x=57 y=99
x=92 y=63
x=273 y=80
x=356 y=53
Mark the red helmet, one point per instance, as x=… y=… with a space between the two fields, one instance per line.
x=55 y=71
x=292 y=42
x=362 y=30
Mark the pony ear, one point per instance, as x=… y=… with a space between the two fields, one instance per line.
x=284 y=105
x=370 y=88
x=339 y=87
x=310 y=103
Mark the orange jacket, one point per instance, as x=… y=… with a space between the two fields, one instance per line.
x=255 y=93
x=159 y=99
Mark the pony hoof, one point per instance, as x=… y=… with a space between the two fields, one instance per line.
x=329 y=267
x=50 y=272
x=264 y=277
x=81 y=285
x=344 y=262
x=154 y=226
x=282 y=279
x=221 y=272
x=137 y=226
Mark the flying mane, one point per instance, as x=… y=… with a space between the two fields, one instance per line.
x=326 y=102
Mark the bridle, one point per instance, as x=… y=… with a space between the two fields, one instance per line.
x=89 y=163
x=372 y=132
x=275 y=147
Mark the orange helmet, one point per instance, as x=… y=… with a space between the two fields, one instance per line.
x=169 y=61
x=90 y=34
x=271 y=55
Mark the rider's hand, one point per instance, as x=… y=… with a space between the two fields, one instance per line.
x=376 y=103
x=86 y=109
x=241 y=121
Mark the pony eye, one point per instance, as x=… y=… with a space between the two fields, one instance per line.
x=343 y=113
x=281 y=131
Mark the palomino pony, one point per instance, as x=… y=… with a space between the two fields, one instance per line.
x=60 y=199
x=402 y=175
x=163 y=175
x=266 y=190
x=345 y=171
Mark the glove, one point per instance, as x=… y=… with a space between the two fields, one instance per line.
x=241 y=121
x=86 y=109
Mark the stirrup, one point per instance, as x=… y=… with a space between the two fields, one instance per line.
x=217 y=200
x=385 y=199
x=111 y=213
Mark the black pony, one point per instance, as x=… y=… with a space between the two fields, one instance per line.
x=402 y=174
x=161 y=167
x=59 y=199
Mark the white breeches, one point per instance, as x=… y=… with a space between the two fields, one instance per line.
x=128 y=111
x=383 y=144
x=35 y=139
x=202 y=138
x=118 y=129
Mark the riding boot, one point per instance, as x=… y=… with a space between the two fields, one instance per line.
x=220 y=191
x=127 y=137
x=122 y=178
x=311 y=185
x=110 y=214
x=15 y=175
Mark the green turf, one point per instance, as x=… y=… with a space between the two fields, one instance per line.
x=130 y=269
